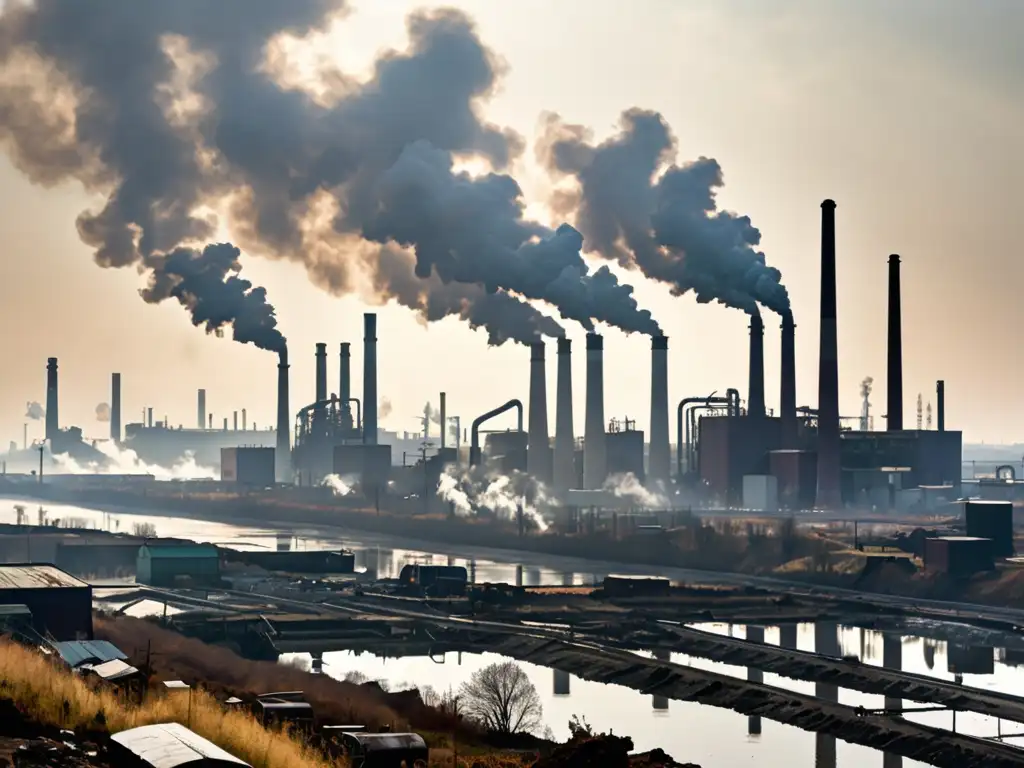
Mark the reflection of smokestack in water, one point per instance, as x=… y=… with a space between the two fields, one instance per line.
x=894 y=383
x=940 y=405
x=787 y=383
x=538 y=453
x=755 y=386
x=283 y=452
x=345 y=385
x=892 y=658
x=754 y=675
x=443 y=416
x=826 y=642
x=115 y=407
x=565 y=440
x=660 y=703
x=829 y=470
x=321 y=372
x=201 y=409
x=595 y=463
x=659 y=458
x=370 y=378
x=52 y=420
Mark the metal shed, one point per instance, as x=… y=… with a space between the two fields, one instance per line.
x=164 y=566
x=171 y=745
x=386 y=750
x=61 y=605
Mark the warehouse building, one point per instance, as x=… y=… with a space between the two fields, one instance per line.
x=174 y=564
x=248 y=466
x=991 y=520
x=60 y=604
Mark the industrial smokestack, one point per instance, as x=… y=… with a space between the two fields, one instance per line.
x=565 y=440
x=234 y=422
x=52 y=420
x=244 y=420
x=787 y=383
x=444 y=419
x=115 y=407
x=894 y=415
x=755 y=385
x=538 y=453
x=283 y=452
x=940 y=404
x=149 y=418
x=370 y=378
x=321 y=373
x=595 y=461
x=829 y=469
x=201 y=409
x=345 y=385
x=659 y=459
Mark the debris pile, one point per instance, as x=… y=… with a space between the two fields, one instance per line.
x=606 y=751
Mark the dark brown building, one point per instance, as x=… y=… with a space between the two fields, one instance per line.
x=61 y=605
x=958 y=555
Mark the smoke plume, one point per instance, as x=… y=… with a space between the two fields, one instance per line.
x=103 y=412
x=481 y=490
x=180 y=113
x=34 y=411
x=384 y=408
x=661 y=220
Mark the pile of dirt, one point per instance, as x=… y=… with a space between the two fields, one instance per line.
x=606 y=751
x=27 y=744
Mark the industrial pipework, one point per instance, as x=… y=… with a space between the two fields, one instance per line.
x=731 y=401
x=894 y=383
x=474 y=445
x=829 y=470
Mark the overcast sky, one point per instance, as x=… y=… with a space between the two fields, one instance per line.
x=908 y=114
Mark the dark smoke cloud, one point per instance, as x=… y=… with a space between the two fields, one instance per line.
x=206 y=283
x=103 y=412
x=668 y=226
x=34 y=411
x=378 y=156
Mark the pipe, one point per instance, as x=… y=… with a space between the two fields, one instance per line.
x=894 y=384
x=370 y=378
x=444 y=419
x=564 y=464
x=283 y=451
x=474 y=445
x=345 y=385
x=660 y=453
x=940 y=404
x=755 y=386
x=595 y=459
x=115 y=407
x=201 y=408
x=680 y=446
x=52 y=415
x=538 y=450
x=829 y=469
x=787 y=384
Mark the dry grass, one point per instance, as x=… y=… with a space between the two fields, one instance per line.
x=40 y=688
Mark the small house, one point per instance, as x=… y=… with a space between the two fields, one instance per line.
x=175 y=564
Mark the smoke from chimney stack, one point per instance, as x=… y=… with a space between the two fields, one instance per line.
x=564 y=469
x=115 y=407
x=755 y=386
x=370 y=378
x=787 y=383
x=538 y=454
x=659 y=458
x=52 y=420
x=829 y=468
x=894 y=384
x=283 y=452
x=345 y=385
x=595 y=459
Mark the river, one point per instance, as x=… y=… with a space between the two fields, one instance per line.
x=714 y=738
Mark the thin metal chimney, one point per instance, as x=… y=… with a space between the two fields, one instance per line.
x=829 y=468
x=755 y=385
x=565 y=439
x=894 y=406
x=201 y=409
x=321 y=372
x=345 y=385
x=370 y=378
x=52 y=416
x=244 y=420
x=538 y=452
x=115 y=407
x=234 y=423
x=444 y=420
x=787 y=383
x=283 y=452
x=149 y=417
x=659 y=459
x=940 y=404
x=595 y=459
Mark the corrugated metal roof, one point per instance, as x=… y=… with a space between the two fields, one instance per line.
x=181 y=551
x=112 y=670
x=23 y=576
x=171 y=745
x=78 y=652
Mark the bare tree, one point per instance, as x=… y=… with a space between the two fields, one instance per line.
x=502 y=698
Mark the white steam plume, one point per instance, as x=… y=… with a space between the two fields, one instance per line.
x=626 y=486
x=472 y=491
x=340 y=486
x=124 y=461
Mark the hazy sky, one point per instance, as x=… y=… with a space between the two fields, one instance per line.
x=908 y=114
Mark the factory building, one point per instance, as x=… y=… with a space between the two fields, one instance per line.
x=959 y=556
x=60 y=604
x=169 y=565
x=991 y=520
x=624 y=449
x=248 y=466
